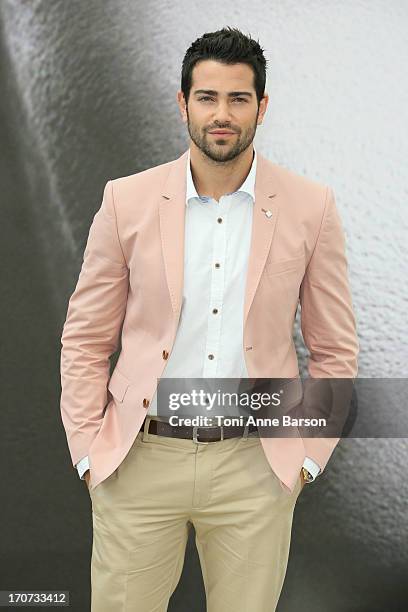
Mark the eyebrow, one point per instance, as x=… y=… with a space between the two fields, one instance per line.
x=231 y=94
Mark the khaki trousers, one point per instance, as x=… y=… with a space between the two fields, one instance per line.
x=143 y=511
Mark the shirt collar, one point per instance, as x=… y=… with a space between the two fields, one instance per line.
x=248 y=185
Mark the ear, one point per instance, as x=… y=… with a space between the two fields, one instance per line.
x=263 y=104
x=181 y=102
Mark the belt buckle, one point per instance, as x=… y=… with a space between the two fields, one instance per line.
x=195 y=435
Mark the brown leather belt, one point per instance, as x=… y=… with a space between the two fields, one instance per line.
x=197 y=434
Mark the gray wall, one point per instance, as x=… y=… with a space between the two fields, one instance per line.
x=88 y=94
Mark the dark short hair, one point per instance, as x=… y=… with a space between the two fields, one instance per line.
x=229 y=46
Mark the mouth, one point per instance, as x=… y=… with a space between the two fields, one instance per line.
x=222 y=133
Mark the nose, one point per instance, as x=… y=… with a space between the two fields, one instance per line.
x=222 y=114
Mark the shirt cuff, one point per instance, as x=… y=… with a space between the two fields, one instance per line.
x=312 y=467
x=82 y=466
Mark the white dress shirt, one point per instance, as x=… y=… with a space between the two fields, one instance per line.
x=209 y=339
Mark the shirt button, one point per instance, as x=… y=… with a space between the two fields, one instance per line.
x=210 y=356
x=215 y=310
x=165 y=354
x=219 y=220
x=217 y=265
x=145 y=402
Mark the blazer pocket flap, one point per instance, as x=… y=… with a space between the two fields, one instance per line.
x=284 y=265
x=118 y=385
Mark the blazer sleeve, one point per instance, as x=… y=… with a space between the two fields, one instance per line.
x=91 y=330
x=327 y=319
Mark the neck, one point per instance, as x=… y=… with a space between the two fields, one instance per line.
x=215 y=179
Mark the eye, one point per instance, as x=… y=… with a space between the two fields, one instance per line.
x=205 y=98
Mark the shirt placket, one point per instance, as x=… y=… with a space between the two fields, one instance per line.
x=211 y=364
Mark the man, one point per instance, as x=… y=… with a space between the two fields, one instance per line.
x=198 y=265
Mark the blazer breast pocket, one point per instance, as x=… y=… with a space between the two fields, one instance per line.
x=281 y=266
x=284 y=277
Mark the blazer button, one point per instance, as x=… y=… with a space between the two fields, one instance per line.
x=165 y=354
x=145 y=402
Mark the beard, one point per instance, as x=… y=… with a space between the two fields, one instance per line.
x=221 y=152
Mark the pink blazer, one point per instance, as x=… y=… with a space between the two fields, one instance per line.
x=130 y=288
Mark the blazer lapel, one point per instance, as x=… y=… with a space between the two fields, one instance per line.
x=172 y=209
x=265 y=215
